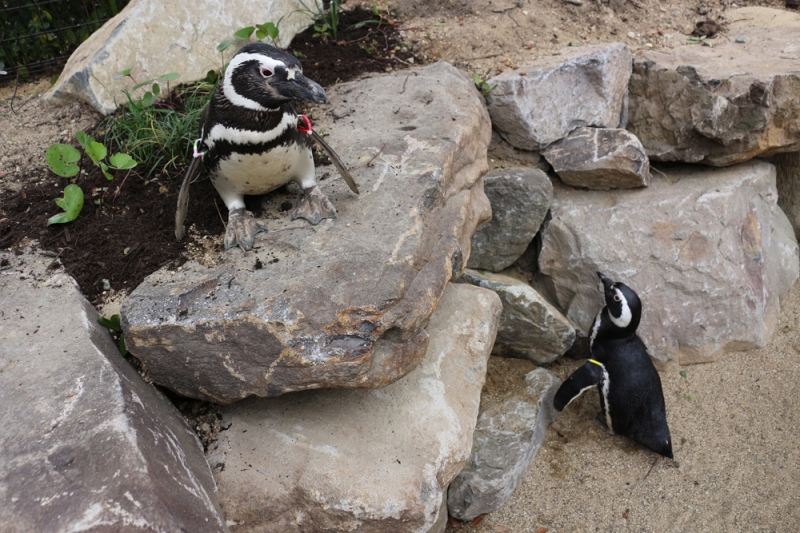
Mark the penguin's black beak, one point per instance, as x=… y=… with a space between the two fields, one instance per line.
x=607 y=283
x=302 y=88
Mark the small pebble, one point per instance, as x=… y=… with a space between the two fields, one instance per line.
x=574 y=2
x=106 y=285
x=631 y=35
x=741 y=40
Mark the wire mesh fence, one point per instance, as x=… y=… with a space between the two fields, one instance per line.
x=38 y=37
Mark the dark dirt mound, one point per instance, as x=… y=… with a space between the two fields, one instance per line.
x=132 y=233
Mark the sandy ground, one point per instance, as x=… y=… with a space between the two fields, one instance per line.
x=735 y=426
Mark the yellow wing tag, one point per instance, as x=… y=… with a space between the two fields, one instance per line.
x=598 y=363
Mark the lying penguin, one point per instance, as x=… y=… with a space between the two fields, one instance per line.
x=631 y=397
x=254 y=142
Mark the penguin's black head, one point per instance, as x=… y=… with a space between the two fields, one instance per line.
x=624 y=306
x=261 y=77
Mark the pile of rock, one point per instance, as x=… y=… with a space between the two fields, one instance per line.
x=362 y=306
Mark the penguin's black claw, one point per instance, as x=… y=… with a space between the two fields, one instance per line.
x=242 y=229
x=314 y=206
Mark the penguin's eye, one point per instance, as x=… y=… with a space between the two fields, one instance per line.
x=266 y=72
x=617 y=298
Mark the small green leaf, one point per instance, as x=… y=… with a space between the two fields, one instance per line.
x=61 y=159
x=260 y=34
x=53 y=79
x=148 y=99
x=122 y=349
x=84 y=139
x=122 y=161
x=156 y=89
x=96 y=151
x=104 y=169
x=683 y=374
x=212 y=76
x=244 y=33
x=71 y=203
x=691 y=397
x=140 y=85
x=439 y=24
x=110 y=323
x=574 y=43
x=271 y=29
x=221 y=47
x=122 y=73
x=169 y=76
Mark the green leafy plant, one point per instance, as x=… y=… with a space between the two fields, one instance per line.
x=262 y=31
x=71 y=203
x=326 y=21
x=97 y=153
x=114 y=325
x=702 y=40
x=482 y=85
x=149 y=96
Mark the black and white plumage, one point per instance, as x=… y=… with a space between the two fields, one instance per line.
x=631 y=396
x=250 y=133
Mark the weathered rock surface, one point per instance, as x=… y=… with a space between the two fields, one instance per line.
x=723 y=104
x=363 y=460
x=788 y=180
x=707 y=250
x=506 y=439
x=86 y=445
x=583 y=86
x=156 y=37
x=308 y=307
x=600 y=158
x=530 y=327
x=520 y=198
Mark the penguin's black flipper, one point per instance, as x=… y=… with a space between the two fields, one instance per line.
x=586 y=377
x=183 y=197
x=348 y=178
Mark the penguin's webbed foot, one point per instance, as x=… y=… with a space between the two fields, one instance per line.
x=242 y=229
x=314 y=206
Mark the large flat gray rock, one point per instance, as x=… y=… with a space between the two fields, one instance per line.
x=155 y=37
x=583 y=86
x=363 y=460
x=85 y=444
x=507 y=438
x=723 y=104
x=520 y=198
x=707 y=250
x=530 y=327
x=325 y=297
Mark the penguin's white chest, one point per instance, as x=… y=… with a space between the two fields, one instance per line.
x=263 y=172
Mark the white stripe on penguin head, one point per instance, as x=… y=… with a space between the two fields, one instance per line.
x=227 y=87
x=625 y=316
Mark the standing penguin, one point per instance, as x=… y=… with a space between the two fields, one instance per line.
x=255 y=142
x=630 y=390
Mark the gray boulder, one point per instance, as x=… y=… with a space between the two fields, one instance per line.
x=86 y=444
x=530 y=327
x=308 y=307
x=508 y=436
x=600 y=158
x=366 y=460
x=788 y=180
x=156 y=37
x=557 y=94
x=723 y=104
x=707 y=250
x=520 y=198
